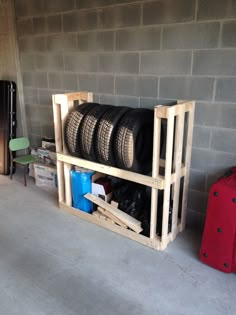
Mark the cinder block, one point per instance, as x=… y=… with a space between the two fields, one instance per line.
x=108 y=99
x=31 y=110
x=197 y=200
x=224 y=140
x=226 y=90
x=47 y=130
x=41 y=80
x=46 y=114
x=216 y=9
x=55 y=62
x=197 y=180
x=88 y=82
x=34 y=127
x=85 y=4
x=214 y=62
x=171 y=11
x=21 y=8
x=70 y=81
x=27 y=62
x=96 y=41
x=228 y=34
x=136 y=86
x=166 y=62
x=39 y=25
x=211 y=161
x=24 y=27
x=227 y=115
x=119 y=63
x=223 y=160
x=146 y=38
x=41 y=61
x=28 y=44
x=62 y=42
x=80 y=21
x=120 y=16
x=59 y=5
x=128 y=101
x=105 y=84
x=202 y=159
x=196 y=35
x=81 y=62
x=201 y=137
x=29 y=7
x=54 y=23
x=54 y=80
x=148 y=102
x=206 y=114
x=31 y=96
x=195 y=220
x=118 y=100
x=196 y=88
x=28 y=79
x=45 y=97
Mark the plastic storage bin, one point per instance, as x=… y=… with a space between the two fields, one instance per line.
x=81 y=182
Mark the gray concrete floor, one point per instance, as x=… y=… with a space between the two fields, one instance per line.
x=56 y=264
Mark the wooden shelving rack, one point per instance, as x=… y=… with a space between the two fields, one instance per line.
x=175 y=166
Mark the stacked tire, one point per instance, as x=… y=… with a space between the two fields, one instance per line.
x=112 y=135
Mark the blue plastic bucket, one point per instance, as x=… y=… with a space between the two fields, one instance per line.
x=81 y=182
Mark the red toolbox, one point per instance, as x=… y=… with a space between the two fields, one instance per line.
x=218 y=248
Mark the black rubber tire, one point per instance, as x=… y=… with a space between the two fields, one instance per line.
x=105 y=133
x=72 y=127
x=133 y=141
x=88 y=131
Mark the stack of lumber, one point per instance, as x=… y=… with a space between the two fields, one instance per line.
x=111 y=213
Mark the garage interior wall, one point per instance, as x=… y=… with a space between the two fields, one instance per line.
x=136 y=53
x=8 y=47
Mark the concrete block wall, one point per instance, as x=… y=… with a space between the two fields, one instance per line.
x=134 y=52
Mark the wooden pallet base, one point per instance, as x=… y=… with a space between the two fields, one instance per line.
x=153 y=243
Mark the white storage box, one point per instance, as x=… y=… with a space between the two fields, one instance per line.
x=45 y=176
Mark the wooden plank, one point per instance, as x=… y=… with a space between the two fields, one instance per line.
x=178 y=151
x=112 y=217
x=77 y=96
x=155 y=173
x=60 y=181
x=66 y=107
x=155 y=243
x=59 y=148
x=169 y=111
x=187 y=164
x=168 y=170
x=113 y=171
x=131 y=222
x=57 y=124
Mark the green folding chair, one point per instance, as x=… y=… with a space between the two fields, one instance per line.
x=25 y=160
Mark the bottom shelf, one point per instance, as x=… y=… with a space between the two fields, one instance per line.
x=153 y=243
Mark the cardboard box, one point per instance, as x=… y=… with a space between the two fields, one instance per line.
x=45 y=176
x=49 y=145
x=46 y=156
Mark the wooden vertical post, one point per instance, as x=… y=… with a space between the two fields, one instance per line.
x=187 y=161
x=66 y=107
x=168 y=171
x=178 y=150
x=155 y=171
x=58 y=140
